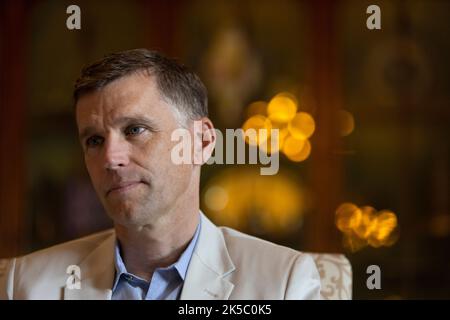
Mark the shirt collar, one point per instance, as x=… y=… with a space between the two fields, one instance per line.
x=181 y=265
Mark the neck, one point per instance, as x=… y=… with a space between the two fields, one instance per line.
x=145 y=248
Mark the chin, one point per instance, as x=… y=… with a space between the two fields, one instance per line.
x=127 y=216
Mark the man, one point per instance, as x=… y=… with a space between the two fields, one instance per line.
x=162 y=247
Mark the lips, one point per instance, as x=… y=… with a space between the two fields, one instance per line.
x=123 y=186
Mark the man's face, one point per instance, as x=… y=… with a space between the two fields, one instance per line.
x=125 y=130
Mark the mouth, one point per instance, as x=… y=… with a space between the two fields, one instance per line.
x=123 y=187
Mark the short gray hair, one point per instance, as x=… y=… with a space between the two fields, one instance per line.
x=177 y=83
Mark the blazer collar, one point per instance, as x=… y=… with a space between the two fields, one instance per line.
x=209 y=264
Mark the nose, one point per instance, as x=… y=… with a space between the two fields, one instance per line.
x=116 y=154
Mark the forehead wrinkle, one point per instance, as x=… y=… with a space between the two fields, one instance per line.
x=111 y=104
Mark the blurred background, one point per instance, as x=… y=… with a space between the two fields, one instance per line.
x=363 y=118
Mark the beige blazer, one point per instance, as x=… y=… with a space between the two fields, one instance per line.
x=226 y=264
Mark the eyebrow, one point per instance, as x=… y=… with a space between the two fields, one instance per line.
x=89 y=130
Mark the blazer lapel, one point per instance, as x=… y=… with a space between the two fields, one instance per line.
x=209 y=264
x=97 y=274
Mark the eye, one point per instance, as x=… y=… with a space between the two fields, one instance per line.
x=94 y=141
x=134 y=130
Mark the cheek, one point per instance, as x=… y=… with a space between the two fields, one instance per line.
x=92 y=167
x=155 y=153
x=157 y=159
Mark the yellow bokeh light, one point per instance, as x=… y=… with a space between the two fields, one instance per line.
x=387 y=221
x=282 y=108
x=257 y=108
x=242 y=198
x=366 y=225
x=293 y=146
x=257 y=123
x=279 y=125
x=267 y=146
x=289 y=96
x=281 y=211
x=391 y=239
x=374 y=242
x=348 y=217
x=353 y=243
x=302 y=125
x=303 y=154
x=368 y=222
x=216 y=198
x=346 y=123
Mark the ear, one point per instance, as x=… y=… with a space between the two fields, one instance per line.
x=204 y=140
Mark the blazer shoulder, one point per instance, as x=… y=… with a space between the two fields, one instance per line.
x=42 y=274
x=286 y=273
x=68 y=252
x=87 y=243
x=242 y=246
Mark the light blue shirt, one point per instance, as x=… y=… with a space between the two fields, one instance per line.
x=165 y=284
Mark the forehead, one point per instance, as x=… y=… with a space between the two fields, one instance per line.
x=132 y=95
